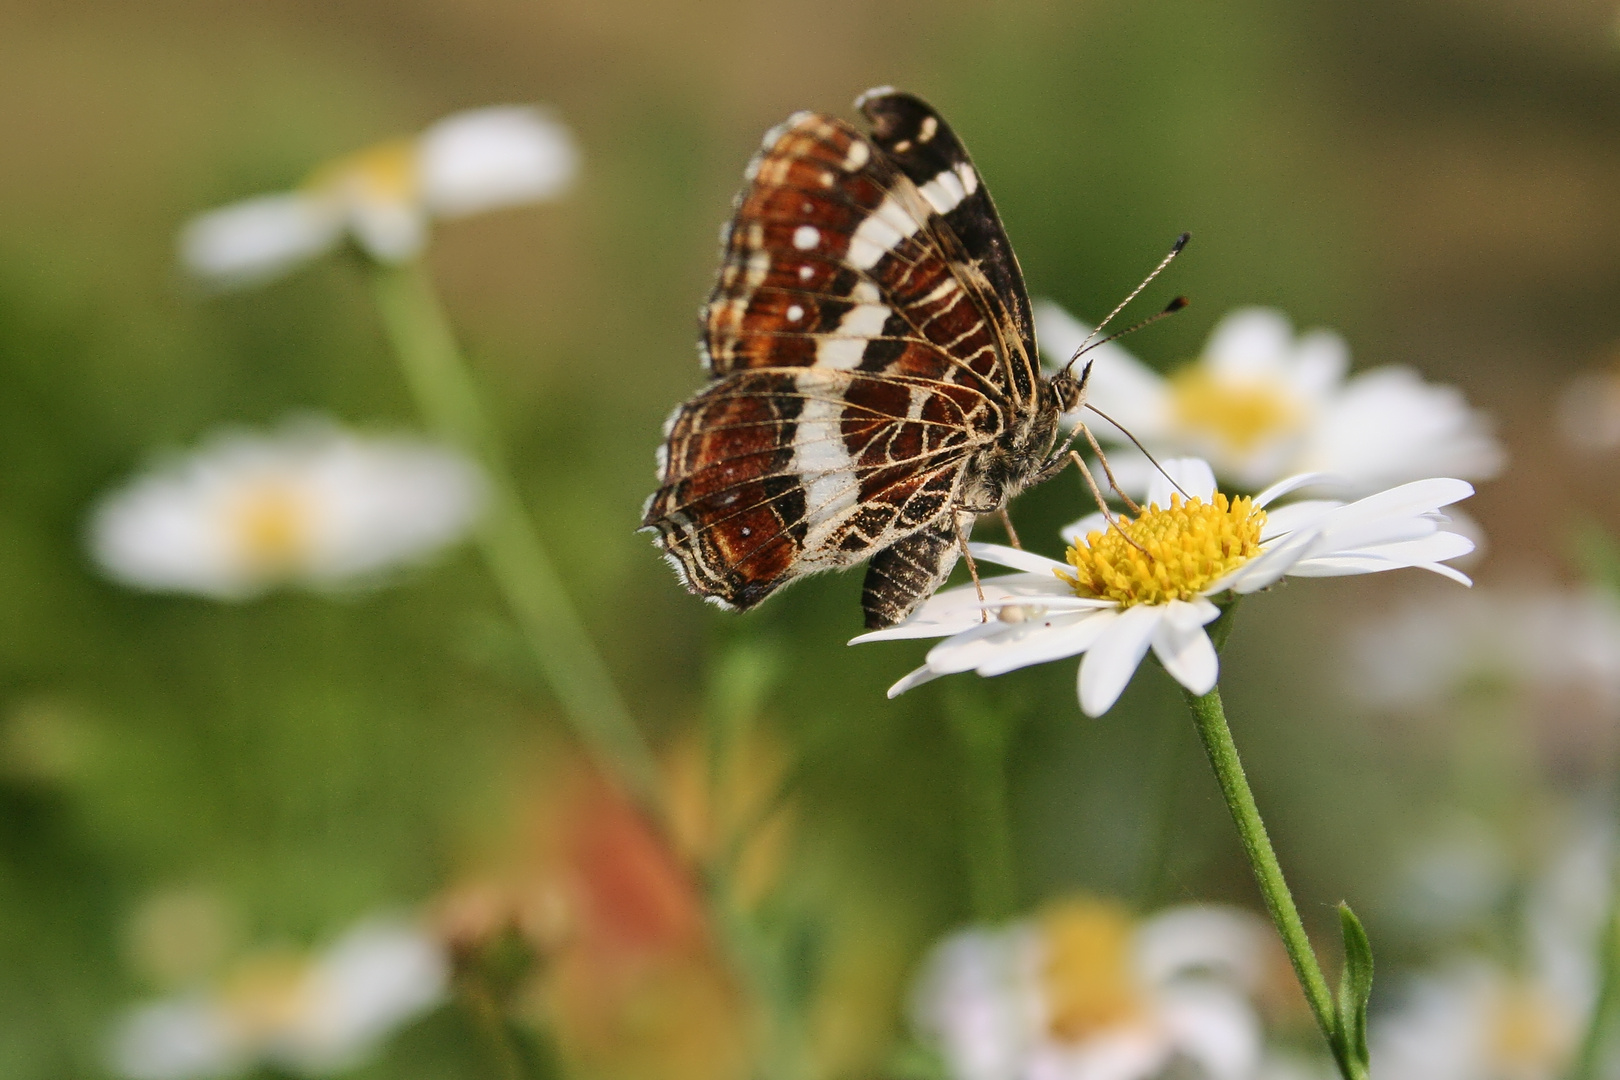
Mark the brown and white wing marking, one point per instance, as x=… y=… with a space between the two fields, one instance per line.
x=855 y=370
x=922 y=145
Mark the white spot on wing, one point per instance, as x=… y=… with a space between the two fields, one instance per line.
x=969 y=178
x=795 y=313
x=857 y=157
x=806 y=272
x=806 y=237
x=930 y=125
x=865 y=292
x=880 y=233
x=820 y=457
x=845 y=346
x=944 y=192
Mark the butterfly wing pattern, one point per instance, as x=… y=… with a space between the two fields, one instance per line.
x=873 y=374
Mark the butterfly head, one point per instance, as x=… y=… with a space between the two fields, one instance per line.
x=1067 y=390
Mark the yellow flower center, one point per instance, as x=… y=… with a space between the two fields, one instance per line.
x=1238 y=416
x=1087 y=978
x=385 y=172
x=1171 y=554
x=1527 y=1030
x=272 y=527
x=268 y=994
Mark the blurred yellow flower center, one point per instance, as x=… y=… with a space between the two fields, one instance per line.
x=1528 y=1031
x=1176 y=555
x=268 y=994
x=1239 y=416
x=1087 y=977
x=382 y=173
x=272 y=527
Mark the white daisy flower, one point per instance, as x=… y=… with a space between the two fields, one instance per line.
x=1563 y=642
x=1113 y=600
x=309 y=505
x=312 y=1014
x=1474 y=1018
x=1084 y=992
x=1261 y=404
x=386 y=195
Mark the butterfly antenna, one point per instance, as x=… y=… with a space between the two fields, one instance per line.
x=1175 y=249
x=1125 y=431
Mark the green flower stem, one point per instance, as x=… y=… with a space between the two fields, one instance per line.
x=486 y=1013
x=447 y=396
x=1210 y=719
x=1590 y=1059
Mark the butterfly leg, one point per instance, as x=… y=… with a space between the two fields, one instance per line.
x=1006 y=523
x=1102 y=504
x=1107 y=471
x=973 y=567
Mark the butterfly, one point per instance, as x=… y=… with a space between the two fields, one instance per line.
x=874 y=381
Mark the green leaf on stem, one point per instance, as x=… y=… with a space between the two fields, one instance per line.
x=1355 y=986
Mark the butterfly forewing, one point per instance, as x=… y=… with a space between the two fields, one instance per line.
x=860 y=359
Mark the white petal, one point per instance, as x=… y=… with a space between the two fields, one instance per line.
x=1321 y=359
x=1296 y=516
x=178 y=1039
x=1112 y=660
x=1295 y=483
x=913 y=680
x=1341 y=537
x=1426 y=553
x=964 y=651
x=1190 y=475
x=1215 y=1028
x=954 y=610
x=371 y=981
x=1015 y=559
x=1251 y=342
x=1052 y=643
x=1417 y=497
x=488 y=158
x=978 y=999
x=389 y=230
x=258 y=239
x=1203 y=940
x=1076 y=532
x=357 y=507
x=1387 y=426
x=1269 y=567
x=1184 y=648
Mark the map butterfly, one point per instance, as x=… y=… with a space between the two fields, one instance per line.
x=874 y=382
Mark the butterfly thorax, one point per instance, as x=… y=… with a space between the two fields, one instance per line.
x=1014 y=461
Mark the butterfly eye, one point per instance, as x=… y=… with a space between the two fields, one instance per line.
x=1066 y=388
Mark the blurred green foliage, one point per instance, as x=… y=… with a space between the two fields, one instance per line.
x=1430 y=178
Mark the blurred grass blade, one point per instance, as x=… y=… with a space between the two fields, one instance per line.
x=447 y=396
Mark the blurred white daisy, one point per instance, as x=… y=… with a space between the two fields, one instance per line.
x=1420 y=653
x=309 y=504
x=313 y=1014
x=1476 y=1019
x=1113 y=600
x=1084 y=992
x=1261 y=404
x=385 y=196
